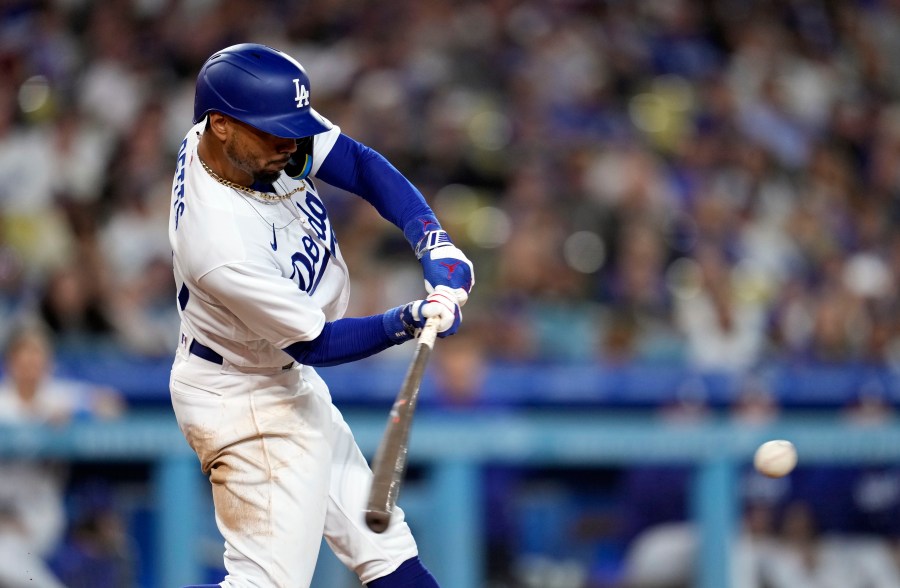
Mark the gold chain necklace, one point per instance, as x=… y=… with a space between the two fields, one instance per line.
x=264 y=197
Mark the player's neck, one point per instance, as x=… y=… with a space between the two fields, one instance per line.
x=215 y=159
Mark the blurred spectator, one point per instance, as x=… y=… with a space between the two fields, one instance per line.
x=97 y=551
x=32 y=509
x=662 y=556
x=460 y=372
x=755 y=542
x=723 y=325
x=32 y=223
x=660 y=538
x=806 y=558
x=74 y=308
x=31 y=393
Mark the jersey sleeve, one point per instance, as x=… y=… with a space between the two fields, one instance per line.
x=265 y=302
x=323 y=143
x=361 y=170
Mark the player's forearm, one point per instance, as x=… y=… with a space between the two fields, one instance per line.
x=342 y=341
x=349 y=339
x=358 y=169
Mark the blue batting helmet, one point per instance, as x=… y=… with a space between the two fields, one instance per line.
x=260 y=86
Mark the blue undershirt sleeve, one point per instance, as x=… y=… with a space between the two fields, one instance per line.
x=342 y=341
x=361 y=170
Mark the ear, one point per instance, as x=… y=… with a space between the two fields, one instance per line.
x=218 y=123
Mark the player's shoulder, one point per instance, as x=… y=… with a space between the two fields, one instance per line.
x=326 y=139
x=214 y=227
x=323 y=143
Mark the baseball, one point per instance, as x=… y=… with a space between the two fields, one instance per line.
x=775 y=458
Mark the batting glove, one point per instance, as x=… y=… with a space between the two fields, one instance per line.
x=406 y=322
x=443 y=264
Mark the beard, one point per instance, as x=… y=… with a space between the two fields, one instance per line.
x=243 y=161
x=266 y=177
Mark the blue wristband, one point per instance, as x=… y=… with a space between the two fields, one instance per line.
x=424 y=234
x=394 y=327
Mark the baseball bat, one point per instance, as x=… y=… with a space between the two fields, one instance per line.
x=389 y=466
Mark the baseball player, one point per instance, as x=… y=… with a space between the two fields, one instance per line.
x=262 y=289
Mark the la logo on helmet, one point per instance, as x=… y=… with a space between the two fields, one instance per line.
x=302 y=97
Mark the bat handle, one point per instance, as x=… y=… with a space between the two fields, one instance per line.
x=429 y=332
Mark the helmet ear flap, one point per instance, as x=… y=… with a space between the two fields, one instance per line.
x=300 y=164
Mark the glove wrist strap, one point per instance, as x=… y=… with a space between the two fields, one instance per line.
x=431 y=240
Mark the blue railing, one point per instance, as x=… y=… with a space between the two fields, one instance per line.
x=376 y=380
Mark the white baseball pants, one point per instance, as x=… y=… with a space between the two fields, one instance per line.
x=284 y=470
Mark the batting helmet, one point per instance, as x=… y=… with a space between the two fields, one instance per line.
x=260 y=86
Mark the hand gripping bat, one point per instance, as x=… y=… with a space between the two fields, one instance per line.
x=389 y=466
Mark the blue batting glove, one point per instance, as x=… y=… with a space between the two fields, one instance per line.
x=443 y=264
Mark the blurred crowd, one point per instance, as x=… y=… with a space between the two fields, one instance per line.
x=710 y=183
x=704 y=183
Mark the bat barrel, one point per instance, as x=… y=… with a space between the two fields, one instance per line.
x=377 y=521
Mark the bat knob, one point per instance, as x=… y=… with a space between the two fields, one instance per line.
x=377 y=521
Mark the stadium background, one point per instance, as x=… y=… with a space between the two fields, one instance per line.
x=682 y=216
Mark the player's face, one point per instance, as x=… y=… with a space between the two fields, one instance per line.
x=256 y=153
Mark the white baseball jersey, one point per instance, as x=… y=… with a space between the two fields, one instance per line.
x=240 y=261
